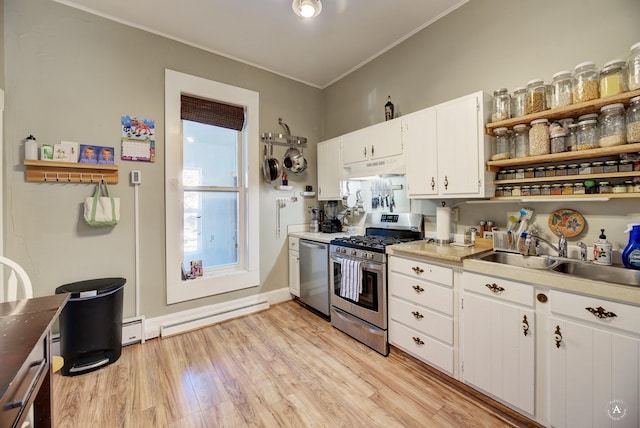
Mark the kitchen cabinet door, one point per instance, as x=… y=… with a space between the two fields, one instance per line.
x=498 y=355
x=294 y=266
x=419 y=137
x=385 y=139
x=594 y=377
x=355 y=146
x=329 y=170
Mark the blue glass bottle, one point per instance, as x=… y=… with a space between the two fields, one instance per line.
x=631 y=253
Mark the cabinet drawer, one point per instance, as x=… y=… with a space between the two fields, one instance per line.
x=498 y=288
x=422 y=346
x=422 y=320
x=422 y=270
x=294 y=243
x=597 y=310
x=433 y=296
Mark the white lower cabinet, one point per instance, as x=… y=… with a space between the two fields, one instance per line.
x=421 y=308
x=294 y=266
x=594 y=364
x=498 y=339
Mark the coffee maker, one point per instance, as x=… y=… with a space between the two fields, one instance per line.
x=331 y=224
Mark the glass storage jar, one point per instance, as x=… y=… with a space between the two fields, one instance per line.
x=536 y=97
x=567 y=189
x=611 y=166
x=634 y=67
x=561 y=170
x=545 y=190
x=572 y=169
x=535 y=190
x=501 y=105
x=613 y=78
x=521 y=138
x=518 y=101
x=633 y=121
x=502 y=144
x=613 y=131
x=572 y=136
x=562 y=89
x=587 y=135
x=539 y=143
x=558 y=142
x=585 y=86
x=604 y=187
x=512 y=144
x=578 y=189
x=597 y=167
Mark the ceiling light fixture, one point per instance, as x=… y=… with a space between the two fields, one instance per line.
x=307 y=8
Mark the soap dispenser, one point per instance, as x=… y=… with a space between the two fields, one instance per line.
x=602 y=250
x=631 y=253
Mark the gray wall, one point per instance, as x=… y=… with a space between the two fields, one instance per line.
x=70 y=76
x=484 y=45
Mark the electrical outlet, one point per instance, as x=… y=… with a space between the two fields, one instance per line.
x=455 y=214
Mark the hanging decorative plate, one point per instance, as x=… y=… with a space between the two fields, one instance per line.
x=568 y=222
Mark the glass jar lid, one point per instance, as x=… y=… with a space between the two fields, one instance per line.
x=500 y=91
x=521 y=126
x=519 y=90
x=614 y=65
x=537 y=121
x=562 y=74
x=588 y=122
x=583 y=66
x=500 y=131
x=612 y=107
x=589 y=116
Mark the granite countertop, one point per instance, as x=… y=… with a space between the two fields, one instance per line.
x=448 y=252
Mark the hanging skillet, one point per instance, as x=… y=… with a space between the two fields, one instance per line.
x=270 y=167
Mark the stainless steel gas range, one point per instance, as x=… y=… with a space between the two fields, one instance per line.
x=358 y=276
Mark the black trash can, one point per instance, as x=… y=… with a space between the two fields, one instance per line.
x=91 y=324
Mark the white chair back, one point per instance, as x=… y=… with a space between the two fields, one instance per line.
x=15 y=281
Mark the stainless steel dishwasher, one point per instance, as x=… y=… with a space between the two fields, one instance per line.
x=314 y=275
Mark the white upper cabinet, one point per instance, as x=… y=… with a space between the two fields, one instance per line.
x=329 y=169
x=446 y=154
x=420 y=139
x=374 y=142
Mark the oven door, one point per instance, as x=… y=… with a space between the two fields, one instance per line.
x=371 y=302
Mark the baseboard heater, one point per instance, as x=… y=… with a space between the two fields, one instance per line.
x=133 y=331
x=222 y=314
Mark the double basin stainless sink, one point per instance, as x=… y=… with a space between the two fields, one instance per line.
x=575 y=268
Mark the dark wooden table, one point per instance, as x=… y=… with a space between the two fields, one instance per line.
x=25 y=359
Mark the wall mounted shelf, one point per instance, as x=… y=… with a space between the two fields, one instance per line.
x=66 y=172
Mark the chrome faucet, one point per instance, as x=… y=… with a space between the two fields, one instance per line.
x=561 y=249
x=583 y=251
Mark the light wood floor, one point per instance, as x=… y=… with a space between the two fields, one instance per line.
x=284 y=367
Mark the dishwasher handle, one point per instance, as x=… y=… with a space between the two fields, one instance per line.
x=311 y=244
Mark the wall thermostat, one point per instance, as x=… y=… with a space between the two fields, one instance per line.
x=135 y=177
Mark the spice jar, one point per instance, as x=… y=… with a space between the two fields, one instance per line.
x=556 y=189
x=550 y=171
x=562 y=89
x=604 y=187
x=535 y=190
x=597 y=167
x=501 y=105
x=539 y=143
x=590 y=187
x=578 y=189
x=611 y=166
x=521 y=138
x=502 y=144
x=629 y=184
x=499 y=191
x=619 y=188
x=585 y=168
x=518 y=102
x=525 y=191
x=587 y=135
x=613 y=130
x=585 y=86
x=625 y=165
x=633 y=121
x=516 y=191
x=567 y=189
x=613 y=78
x=634 y=67
x=502 y=174
x=545 y=190
x=536 y=97
x=561 y=170
x=507 y=191
x=529 y=172
x=519 y=173
x=572 y=169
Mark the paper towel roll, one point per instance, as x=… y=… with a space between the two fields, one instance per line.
x=443 y=224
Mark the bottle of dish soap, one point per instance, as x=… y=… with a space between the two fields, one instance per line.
x=602 y=250
x=631 y=253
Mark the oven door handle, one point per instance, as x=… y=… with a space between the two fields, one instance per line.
x=378 y=267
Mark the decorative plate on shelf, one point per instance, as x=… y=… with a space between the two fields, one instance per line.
x=568 y=222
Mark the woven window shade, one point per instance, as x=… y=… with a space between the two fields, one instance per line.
x=211 y=113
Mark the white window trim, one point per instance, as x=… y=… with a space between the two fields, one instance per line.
x=177 y=83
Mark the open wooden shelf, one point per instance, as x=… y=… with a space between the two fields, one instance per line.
x=496 y=166
x=596 y=196
x=574 y=111
x=68 y=172
x=559 y=178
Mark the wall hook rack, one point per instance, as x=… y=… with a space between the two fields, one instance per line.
x=67 y=172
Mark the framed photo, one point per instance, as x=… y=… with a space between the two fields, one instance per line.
x=66 y=151
x=101 y=155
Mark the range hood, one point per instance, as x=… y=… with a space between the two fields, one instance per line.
x=385 y=167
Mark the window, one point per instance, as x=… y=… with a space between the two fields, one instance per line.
x=211 y=191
